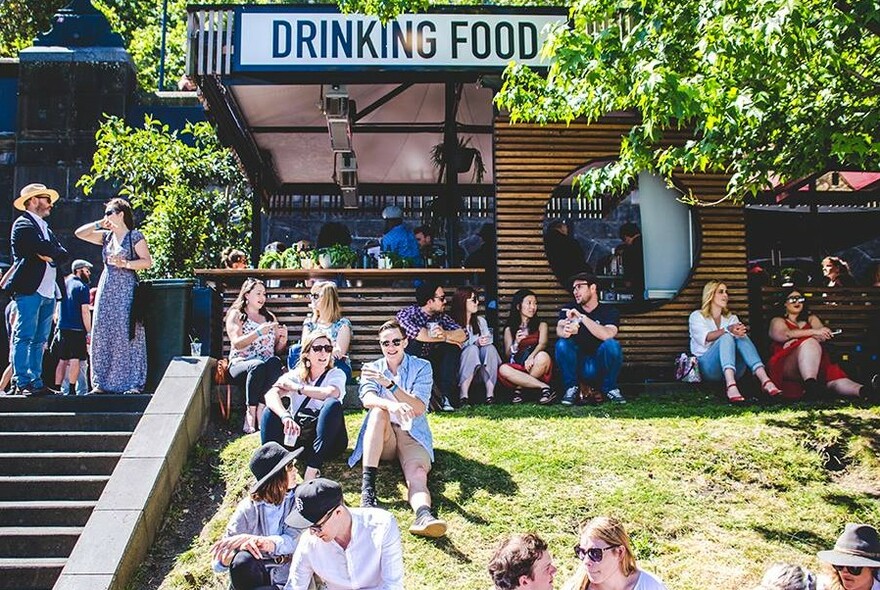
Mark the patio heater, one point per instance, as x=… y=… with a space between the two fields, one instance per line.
x=348 y=180
x=335 y=107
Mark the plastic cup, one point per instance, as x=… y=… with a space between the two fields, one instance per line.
x=432 y=326
x=405 y=422
x=290 y=439
x=195 y=348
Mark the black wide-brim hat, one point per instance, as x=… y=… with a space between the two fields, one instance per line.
x=858 y=546
x=268 y=460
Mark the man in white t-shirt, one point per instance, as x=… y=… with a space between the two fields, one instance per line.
x=522 y=562
x=348 y=548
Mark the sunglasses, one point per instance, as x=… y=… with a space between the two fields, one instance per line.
x=594 y=553
x=323 y=348
x=579 y=285
x=318 y=526
x=853 y=570
x=394 y=341
x=796 y=299
x=110 y=212
x=315 y=296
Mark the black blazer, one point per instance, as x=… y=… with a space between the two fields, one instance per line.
x=27 y=243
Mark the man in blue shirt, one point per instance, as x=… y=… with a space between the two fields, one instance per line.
x=74 y=327
x=397 y=238
x=396 y=390
x=587 y=348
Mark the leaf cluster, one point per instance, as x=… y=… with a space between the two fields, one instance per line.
x=193 y=195
x=768 y=88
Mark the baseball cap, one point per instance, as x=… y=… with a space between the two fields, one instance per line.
x=80 y=263
x=392 y=212
x=312 y=501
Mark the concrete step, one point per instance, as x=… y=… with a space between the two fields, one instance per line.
x=74 y=403
x=23 y=442
x=97 y=463
x=52 y=487
x=30 y=574
x=80 y=421
x=38 y=541
x=64 y=513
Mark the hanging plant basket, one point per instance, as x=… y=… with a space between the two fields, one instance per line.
x=462 y=158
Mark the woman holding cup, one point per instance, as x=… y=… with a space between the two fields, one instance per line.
x=306 y=406
x=525 y=344
x=478 y=353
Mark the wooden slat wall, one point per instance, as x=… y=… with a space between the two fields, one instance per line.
x=532 y=160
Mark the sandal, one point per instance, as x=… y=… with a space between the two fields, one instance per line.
x=734 y=399
x=517 y=396
x=547 y=396
x=490 y=400
x=770 y=388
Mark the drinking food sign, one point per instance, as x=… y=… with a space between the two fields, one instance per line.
x=308 y=38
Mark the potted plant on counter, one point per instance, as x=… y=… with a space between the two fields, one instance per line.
x=337 y=256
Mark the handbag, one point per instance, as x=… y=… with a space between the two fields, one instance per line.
x=687 y=369
x=307 y=418
x=141 y=300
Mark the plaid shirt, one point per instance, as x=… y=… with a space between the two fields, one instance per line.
x=412 y=319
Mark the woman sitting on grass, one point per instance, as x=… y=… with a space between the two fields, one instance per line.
x=607 y=560
x=722 y=345
x=258 y=544
x=478 y=353
x=854 y=563
x=525 y=342
x=784 y=576
x=307 y=402
x=798 y=358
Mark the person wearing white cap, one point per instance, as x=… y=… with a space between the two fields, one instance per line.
x=397 y=237
x=854 y=561
x=347 y=548
x=34 y=283
x=74 y=328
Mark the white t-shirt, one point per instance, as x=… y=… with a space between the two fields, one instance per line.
x=335 y=378
x=648 y=581
x=700 y=326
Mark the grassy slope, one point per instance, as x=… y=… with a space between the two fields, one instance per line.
x=705 y=489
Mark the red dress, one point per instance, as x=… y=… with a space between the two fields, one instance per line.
x=526 y=346
x=828 y=370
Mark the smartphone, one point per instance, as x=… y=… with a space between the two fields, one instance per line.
x=836 y=332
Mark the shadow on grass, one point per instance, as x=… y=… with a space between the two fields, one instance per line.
x=799 y=539
x=830 y=431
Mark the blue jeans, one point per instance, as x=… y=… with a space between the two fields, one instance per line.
x=331 y=438
x=602 y=367
x=729 y=352
x=29 y=336
x=293 y=357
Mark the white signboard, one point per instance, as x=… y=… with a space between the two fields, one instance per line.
x=315 y=39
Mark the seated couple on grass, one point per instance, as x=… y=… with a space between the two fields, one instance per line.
x=604 y=552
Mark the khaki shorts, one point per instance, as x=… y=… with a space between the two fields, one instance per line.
x=400 y=444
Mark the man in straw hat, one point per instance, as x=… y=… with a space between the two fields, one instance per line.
x=35 y=284
x=855 y=559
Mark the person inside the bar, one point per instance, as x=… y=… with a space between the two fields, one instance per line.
x=433 y=253
x=564 y=252
x=435 y=336
x=397 y=238
x=632 y=255
x=396 y=390
x=233 y=258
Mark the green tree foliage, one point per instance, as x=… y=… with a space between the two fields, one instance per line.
x=192 y=192
x=770 y=88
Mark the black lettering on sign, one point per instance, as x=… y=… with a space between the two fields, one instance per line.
x=305 y=36
x=402 y=40
x=427 y=44
x=528 y=40
x=504 y=40
x=481 y=40
x=281 y=33
x=457 y=38
x=364 y=39
x=341 y=39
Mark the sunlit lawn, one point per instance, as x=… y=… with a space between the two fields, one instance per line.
x=706 y=490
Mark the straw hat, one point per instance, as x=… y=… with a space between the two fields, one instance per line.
x=34 y=190
x=859 y=545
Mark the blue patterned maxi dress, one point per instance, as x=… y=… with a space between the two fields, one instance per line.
x=118 y=363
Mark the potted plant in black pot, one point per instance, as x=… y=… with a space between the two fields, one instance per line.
x=463 y=157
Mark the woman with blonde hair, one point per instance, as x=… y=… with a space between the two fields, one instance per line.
x=256 y=339
x=307 y=403
x=326 y=317
x=722 y=345
x=607 y=559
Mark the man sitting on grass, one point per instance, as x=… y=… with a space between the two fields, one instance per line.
x=348 y=548
x=396 y=390
x=522 y=562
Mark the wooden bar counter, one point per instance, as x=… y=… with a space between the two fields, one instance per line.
x=374 y=296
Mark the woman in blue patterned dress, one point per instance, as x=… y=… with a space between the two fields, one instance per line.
x=119 y=357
